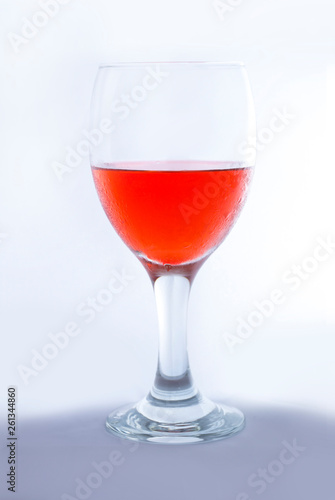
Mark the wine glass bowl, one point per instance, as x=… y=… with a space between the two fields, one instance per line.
x=172 y=178
x=172 y=214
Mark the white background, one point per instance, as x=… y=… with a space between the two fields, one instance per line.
x=57 y=247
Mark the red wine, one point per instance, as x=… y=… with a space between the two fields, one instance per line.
x=177 y=214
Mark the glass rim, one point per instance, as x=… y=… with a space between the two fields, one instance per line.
x=122 y=64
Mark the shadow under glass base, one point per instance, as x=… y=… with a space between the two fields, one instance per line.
x=194 y=420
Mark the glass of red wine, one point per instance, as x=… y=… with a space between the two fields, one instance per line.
x=172 y=166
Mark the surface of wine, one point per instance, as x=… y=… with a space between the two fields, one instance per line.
x=172 y=213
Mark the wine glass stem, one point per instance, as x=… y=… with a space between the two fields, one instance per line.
x=173 y=380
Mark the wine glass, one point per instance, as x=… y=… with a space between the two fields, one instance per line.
x=171 y=165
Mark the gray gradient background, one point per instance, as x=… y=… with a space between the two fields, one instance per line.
x=57 y=249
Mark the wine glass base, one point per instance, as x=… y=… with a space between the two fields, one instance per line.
x=175 y=422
